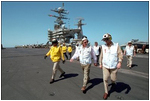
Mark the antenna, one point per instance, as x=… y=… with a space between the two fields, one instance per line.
x=80 y=18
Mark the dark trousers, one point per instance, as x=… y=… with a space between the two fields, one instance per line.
x=70 y=55
x=66 y=55
x=97 y=58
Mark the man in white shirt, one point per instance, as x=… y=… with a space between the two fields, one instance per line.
x=85 y=53
x=97 y=51
x=110 y=61
x=129 y=52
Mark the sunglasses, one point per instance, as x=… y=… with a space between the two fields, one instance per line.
x=106 y=39
x=85 y=42
x=54 y=43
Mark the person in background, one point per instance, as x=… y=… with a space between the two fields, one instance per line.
x=97 y=51
x=64 y=49
x=110 y=61
x=56 y=55
x=85 y=53
x=77 y=48
x=69 y=50
x=129 y=52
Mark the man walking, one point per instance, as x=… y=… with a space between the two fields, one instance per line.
x=56 y=55
x=69 y=50
x=129 y=52
x=110 y=61
x=97 y=51
x=64 y=49
x=85 y=53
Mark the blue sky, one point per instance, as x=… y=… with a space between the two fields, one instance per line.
x=25 y=23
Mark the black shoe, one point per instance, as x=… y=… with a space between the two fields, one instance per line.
x=62 y=74
x=83 y=89
x=52 y=81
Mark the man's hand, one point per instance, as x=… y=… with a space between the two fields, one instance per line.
x=100 y=66
x=119 y=65
x=45 y=57
x=71 y=60
x=63 y=61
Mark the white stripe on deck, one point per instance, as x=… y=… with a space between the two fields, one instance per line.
x=135 y=73
x=126 y=71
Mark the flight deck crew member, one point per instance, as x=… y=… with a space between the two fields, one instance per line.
x=64 y=49
x=69 y=50
x=56 y=55
x=85 y=53
x=110 y=61
x=97 y=51
x=77 y=47
x=129 y=52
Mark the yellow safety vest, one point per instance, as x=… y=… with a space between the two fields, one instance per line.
x=69 y=49
x=55 y=53
x=64 y=49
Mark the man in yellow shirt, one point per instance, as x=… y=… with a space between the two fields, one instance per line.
x=69 y=50
x=64 y=49
x=56 y=55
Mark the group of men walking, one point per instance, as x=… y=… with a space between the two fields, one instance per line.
x=109 y=58
x=66 y=49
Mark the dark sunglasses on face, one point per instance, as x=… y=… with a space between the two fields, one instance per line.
x=54 y=43
x=106 y=39
x=85 y=42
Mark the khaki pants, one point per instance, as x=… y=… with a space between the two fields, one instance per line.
x=129 y=60
x=106 y=73
x=86 y=71
x=55 y=67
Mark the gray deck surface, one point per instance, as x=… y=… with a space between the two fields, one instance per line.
x=25 y=75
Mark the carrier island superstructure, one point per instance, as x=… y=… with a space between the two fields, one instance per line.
x=60 y=32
